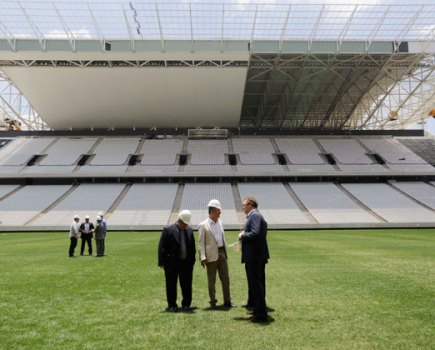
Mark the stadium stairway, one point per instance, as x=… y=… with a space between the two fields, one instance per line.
x=176 y=207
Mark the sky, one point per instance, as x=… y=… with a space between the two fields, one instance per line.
x=430 y=125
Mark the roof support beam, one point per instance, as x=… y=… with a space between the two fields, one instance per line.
x=162 y=40
x=32 y=25
x=97 y=27
x=68 y=33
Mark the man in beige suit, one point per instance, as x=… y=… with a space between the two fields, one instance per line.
x=213 y=253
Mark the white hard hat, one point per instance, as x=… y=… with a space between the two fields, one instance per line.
x=185 y=216
x=87 y=217
x=214 y=203
x=76 y=217
x=98 y=218
x=100 y=214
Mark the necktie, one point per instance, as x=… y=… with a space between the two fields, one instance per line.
x=183 y=252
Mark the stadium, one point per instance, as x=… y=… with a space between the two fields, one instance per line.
x=324 y=112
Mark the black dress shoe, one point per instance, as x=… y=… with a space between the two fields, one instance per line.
x=172 y=309
x=247 y=306
x=186 y=308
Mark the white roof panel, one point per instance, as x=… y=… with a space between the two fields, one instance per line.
x=132 y=97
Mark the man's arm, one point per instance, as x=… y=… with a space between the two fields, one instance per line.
x=254 y=228
x=193 y=245
x=162 y=248
x=201 y=245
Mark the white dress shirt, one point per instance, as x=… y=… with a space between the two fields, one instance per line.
x=218 y=231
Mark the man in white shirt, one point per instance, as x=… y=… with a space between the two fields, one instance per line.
x=213 y=253
x=73 y=235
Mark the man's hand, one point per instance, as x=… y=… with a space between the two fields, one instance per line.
x=241 y=235
x=204 y=263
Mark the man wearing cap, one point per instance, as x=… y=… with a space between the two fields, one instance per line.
x=176 y=255
x=213 y=253
x=73 y=235
x=86 y=232
x=99 y=236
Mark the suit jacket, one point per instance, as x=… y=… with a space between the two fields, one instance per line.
x=169 y=246
x=254 y=242
x=99 y=231
x=207 y=245
x=82 y=230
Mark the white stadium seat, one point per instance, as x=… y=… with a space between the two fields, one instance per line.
x=275 y=203
x=330 y=205
x=196 y=197
x=389 y=204
x=145 y=204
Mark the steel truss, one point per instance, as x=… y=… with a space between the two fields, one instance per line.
x=337 y=91
x=299 y=91
x=411 y=97
x=15 y=106
x=123 y=63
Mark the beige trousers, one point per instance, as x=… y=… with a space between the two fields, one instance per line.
x=220 y=266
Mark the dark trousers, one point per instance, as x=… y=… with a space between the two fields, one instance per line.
x=87 y=240
x=179 y=270
x=255 y=273
x=251 y=301
x=100 y=246
x=72 y=245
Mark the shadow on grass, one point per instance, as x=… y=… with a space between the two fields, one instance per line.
x=261 y=323
x=191 y=310
x=269 y=309
x=217 y=308
x=180 y=310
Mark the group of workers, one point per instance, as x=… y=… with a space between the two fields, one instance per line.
x=86 y=231
x=177 y=255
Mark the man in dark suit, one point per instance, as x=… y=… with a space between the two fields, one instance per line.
x=176 y=254
x=86 y=234
x=255 y=255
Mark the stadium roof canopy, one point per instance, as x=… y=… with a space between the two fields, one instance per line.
x=248 y=65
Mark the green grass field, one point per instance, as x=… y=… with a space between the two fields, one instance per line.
x=356 y=289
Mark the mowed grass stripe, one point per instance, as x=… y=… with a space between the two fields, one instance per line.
x=346 y=289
